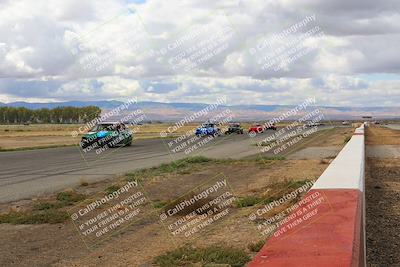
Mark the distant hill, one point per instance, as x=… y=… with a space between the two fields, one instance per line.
x=173 y=111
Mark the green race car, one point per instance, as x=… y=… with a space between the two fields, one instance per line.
x=234 y=128
x=110 y=134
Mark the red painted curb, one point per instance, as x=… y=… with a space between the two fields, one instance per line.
x=324 y=230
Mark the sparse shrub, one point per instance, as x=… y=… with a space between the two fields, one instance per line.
x=69 y=198
x=324 y=161
x=44 y=212
x=187 y=256
x=273 y=158
x=196 y=159
x=296 y=184
x=84 y=183
x=46 y=216
x=181 y=166
x=269 y=199
x=247 y=201
x=111 y=189
x=282 y=188
x=256 y=247
x=159 y=204
x=48 y=205
x=194 y=207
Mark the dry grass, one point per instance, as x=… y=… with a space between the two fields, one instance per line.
x=16 y=137
x=166 y=184
x=382 y=136
x=336 y=138
x=37 y=130
x=188 y=256
x=44 y=211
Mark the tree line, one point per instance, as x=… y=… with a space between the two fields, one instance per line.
x=21 y=115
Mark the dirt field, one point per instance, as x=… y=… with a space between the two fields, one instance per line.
x=47 y=244
x=252 y=181
x=53 y=135
x=383 y=198
x=382 y=136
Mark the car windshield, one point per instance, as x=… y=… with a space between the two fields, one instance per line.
x=104 y=127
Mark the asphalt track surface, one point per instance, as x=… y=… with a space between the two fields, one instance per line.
x=31 y=173
x=393 y=126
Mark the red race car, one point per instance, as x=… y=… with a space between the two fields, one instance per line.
x=256 y=128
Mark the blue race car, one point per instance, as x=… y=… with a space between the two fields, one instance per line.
x=208 y=129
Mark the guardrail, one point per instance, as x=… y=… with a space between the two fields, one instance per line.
x=327 y=227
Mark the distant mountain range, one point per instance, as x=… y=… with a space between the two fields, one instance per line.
x=158 y=111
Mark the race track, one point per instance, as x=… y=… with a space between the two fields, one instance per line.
x=393 y=126
x=26 y=174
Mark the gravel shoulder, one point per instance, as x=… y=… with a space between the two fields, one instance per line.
x=316 y=152
x=382 y=198
x=327 y=147
x=383 y=212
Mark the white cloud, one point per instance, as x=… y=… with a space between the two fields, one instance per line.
x=39 y=39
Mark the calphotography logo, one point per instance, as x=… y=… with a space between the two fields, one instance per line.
x=98 y=220
x=292 y=218
x=209 y=203
x=199 y=45
x=284 y=213
x=283 y=49
x=114 y=128
x=299 y=124
x=105 y=46
x=189 y=137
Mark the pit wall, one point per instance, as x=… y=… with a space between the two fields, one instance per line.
x=328 y=226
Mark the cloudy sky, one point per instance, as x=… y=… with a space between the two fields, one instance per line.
x=345 y=53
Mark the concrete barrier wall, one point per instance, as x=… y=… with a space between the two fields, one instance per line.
x=327 y=227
